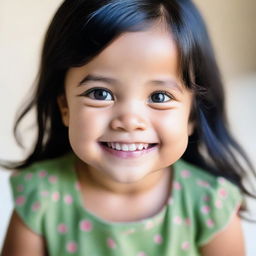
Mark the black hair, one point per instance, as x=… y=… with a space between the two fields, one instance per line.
x=81 y=29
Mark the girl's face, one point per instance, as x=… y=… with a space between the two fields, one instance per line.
x=127 y=110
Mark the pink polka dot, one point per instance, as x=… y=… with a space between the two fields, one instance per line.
x=222 y=192
x=77 y=186
x=28 y=176
x=218 y=204
x=205 y=209
x=188 y=221
x=209 y=223
x=203 y=183
x=42 y=174
x=129 y=231
x=85 y=225
x=55 y=196
x=177 y=220
x=71 y=247
x=20 y=200
x=111 y=243
x=20 y=188
x=149 y=224
x=158 y=239
x=36 y=206
x=171 y=201
x=68 y=199
x=206 y=198
x=44 y=193
x=177 y=185
x=185 y=174
x=62 y=228
x=185 y=245
x=221 y=180
x=141 y=254
x=53 y=179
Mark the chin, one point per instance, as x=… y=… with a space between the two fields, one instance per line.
x=128 y=176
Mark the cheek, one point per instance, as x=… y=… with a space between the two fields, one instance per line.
x=85 y=125
x=172 y=125
x=172 y=130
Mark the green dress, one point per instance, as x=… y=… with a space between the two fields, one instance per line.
x=48 y=200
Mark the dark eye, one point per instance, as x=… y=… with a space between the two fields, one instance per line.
x=99 y=94
x=160 y=97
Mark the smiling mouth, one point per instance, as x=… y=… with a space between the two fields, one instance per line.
x=128 y=147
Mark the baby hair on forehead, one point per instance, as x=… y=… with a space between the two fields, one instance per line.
x=81 y=30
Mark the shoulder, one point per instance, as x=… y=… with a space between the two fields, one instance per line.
x=41 y=173
x=35 y=187
x=215 y=200
x=205 y=183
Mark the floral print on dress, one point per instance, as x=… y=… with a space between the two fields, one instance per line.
x=158 y=239
x=68 y=199
x=203 y=183
x=177 y=185
x=62 y=228
x=28 y=176
x=223 y=193
x=111 y=243
x=218 y=204
x=210 y=223
x=42 y=174
x=141 y=254
x=71 y=247
x=41 y=195
x=185 y=246
x=177 y=220
x=36 y=206
x=205 y=209
x=20 y=200
x=185 y=174
x=55 y=196
x=53 y=179
x=86 y=225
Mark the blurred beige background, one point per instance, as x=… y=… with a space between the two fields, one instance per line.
x=232 y=26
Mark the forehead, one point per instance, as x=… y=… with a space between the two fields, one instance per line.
x=155 y=42
x=152 y=51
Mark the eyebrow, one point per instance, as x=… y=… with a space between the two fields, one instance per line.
x=98 y=78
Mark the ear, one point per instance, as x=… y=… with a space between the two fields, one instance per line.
x=63 y=107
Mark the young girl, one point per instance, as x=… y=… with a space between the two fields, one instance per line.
x=133 y=156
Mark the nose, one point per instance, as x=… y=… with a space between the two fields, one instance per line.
x=128 y=122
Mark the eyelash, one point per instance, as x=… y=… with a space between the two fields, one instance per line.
x=87 y=93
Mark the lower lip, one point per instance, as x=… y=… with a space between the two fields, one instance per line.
x=128 y=154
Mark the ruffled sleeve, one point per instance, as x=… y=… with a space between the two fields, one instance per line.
x=219 y=202
x=29 y=197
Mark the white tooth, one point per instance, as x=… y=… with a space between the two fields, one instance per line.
x=113 y=145
x=118 y=146
x=140 y=146
x=132 y=147
x=109 y=144
x=124 y=147
x=146 y=146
